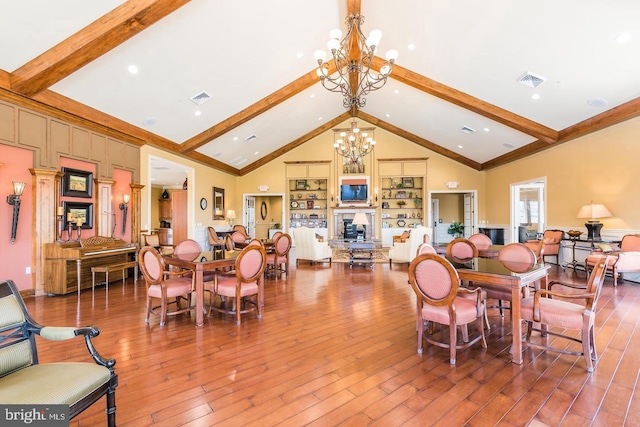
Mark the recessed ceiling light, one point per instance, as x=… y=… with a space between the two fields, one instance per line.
x=535 y=96
x=235 y=138
x=411 y=46
x=320 y=118
x=459 y=146
x=133 y=69
x=388 y=115
x=197 y=112
x=299 y=55
x=256 y=152
x=486 y=129
x=597 y=102
x=313 y=95
x=623 y=37
x=150 y=121
x=396 y=91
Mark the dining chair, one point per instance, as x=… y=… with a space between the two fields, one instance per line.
x=247 y=282
x=280 y=255
x=437 y=286
x=551 y=309
x=624 y=259
x=212 y=237
x=162 y=286
x=481 y=240
x=552 y=240
x=239 y=239
x=242 y=229
x=461 y=249
x=516 y=257
x=425 y=248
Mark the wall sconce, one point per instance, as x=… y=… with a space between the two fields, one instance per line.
x=123 y=207
x=231 y=214
x=14 y=199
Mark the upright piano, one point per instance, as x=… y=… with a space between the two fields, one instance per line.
x=67 y=266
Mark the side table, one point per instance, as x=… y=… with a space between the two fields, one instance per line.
x=361 y=252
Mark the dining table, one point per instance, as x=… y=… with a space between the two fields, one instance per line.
x=514 y=276
x=198 y=263
x=490 y=252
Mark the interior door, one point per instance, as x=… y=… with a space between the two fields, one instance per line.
x=435 y=219
x=469 y=220
x=250 y=215
x=528 y=207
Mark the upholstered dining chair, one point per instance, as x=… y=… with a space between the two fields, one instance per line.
x=212 y=237
x=518 y=258
x=461 y=249
x=247 y=282
x=280 y=256
x=481 y=240
x=425 y=248
x=626 y=259
x=552 y=240
x=242 y=229
x=537 y=246
x=163 y=287
x=190 y=246
x=240 y=239
x=437 y=287
x=552 y=309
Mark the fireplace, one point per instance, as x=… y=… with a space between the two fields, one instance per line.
x=353 y=232
x=343 y=216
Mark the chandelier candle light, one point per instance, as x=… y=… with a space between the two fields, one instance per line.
x=354 y=143
x=353 y=57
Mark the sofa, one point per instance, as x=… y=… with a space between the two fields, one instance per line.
x=404 y=252
x=308 y=247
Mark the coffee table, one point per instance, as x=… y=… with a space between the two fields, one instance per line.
x=361 y=252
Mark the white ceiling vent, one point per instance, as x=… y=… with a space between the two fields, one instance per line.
x=467 y=130
x=250 y=138
x=200 y=98
x=531 y=80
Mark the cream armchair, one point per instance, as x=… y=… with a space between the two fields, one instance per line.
x=402 y=252
x=308 y=247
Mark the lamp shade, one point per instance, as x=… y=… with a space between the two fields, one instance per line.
x=18 y=188
x=360 y=219
x=594 y=211
x=231 y=214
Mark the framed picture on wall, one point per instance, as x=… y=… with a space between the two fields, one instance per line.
x=80 y=214
x=301 y=184
x=77 y=183
x=407 y=182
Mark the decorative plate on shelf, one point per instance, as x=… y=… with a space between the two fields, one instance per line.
x=294 y=204
x=401 y=223
x=299 y=195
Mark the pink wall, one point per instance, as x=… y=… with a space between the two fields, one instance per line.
x=16 y=258
x=122 y=179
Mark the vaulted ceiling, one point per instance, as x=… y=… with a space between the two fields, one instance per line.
x=460 y=65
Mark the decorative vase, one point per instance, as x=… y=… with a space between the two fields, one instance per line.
x=184 y=185
x=165 y=194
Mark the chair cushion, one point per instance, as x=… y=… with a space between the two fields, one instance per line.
x=466 y=312
x=152 y=240
x=175 y=287
x=227 y=287
x=554 y=312
x=604 y=247
x=70 y=382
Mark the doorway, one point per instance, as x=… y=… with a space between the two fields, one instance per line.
x=452 y=206
x=270 y=217
x=528 y=209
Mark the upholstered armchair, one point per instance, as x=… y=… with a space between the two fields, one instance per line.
x=404 y=252
x=24 y=381
x=552 y=240
x=308 y=247
x=623 y=259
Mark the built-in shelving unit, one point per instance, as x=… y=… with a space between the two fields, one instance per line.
x=308 y=203
x=402 y=201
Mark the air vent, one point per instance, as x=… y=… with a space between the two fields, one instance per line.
x=250 y=138
x=200 y=98
x=531 y=80
x=467 y=130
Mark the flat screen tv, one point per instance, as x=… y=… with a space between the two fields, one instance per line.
x=354 y=193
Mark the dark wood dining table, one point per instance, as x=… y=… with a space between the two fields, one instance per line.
x=490 y=252
x=199 y=263
x=495 y=272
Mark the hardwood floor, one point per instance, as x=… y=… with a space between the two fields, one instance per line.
x=338 y=347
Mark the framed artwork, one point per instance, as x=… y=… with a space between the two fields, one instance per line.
x=407 y=182
x=310 y=204
x=80 y=214
x=77 y=183
x=301 y=184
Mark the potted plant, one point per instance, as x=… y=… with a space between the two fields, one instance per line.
x=456 y=228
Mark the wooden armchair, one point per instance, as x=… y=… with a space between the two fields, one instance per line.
x=25 y=381
x=623 y=259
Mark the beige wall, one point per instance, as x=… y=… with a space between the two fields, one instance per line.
x=602 y=167
x=451 y=207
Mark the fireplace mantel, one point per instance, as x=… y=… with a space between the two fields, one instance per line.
x=348 y=212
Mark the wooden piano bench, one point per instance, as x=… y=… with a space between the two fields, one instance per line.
x=111 y=267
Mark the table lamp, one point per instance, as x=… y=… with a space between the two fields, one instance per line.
x=360 y=218
x=231 y=214
x=593 y=211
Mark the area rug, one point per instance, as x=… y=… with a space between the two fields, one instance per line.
x=379 y=255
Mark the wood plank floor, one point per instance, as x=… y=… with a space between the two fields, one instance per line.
x=338 y=347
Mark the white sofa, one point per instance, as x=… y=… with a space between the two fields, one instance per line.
x=406 y=251
x=308 y=247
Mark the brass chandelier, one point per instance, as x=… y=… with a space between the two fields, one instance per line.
x=353 y=57
x=354 y=143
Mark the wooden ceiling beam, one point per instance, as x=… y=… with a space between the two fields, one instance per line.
x=88 y=44
x=469 y=102
x=295 y=143
x=263 y=105
x=420 y=141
